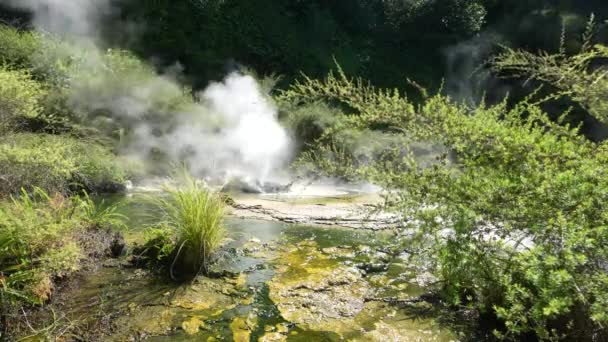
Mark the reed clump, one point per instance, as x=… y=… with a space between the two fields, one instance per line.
x=195 y=216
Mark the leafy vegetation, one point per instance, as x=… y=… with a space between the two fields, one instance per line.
x=20 y=98
x=191 y=229
x=56 y=164
x=580 y=77
x=507 y=199
x=515 y=226
x=41 y=242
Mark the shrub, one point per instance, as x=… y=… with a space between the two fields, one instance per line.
x=17 y=47
x=517 y=227
x=580 y=77
x=157 y=249
x=19 y=98
x=310 y=122
x=195 y=215
x=56 y=164
x=120 y=90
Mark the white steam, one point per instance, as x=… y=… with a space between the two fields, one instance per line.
x=232 y=130
x=252 y=131
x=74 y=18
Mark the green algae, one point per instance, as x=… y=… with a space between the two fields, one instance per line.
x=319 y=293
x=280 y=283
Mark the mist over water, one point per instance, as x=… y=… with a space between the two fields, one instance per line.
x=230 y=130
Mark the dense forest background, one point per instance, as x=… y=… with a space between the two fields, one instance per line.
x=379 y=40
x=436 y=43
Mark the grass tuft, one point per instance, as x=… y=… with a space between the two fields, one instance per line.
x=196 y=215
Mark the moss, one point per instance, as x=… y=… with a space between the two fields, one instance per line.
x=192 y=326
x=241 y=332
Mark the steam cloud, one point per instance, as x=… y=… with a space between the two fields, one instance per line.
x=231 y=131
x=74 y=18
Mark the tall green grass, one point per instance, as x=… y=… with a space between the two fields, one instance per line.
x=196 y=215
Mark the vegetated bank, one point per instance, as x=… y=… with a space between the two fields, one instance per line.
x=513 y=217
x=509 y=211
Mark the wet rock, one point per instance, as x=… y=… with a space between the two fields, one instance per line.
x=363 y=249
x=424 y=279
x=242 y=186
x=212 y=295
x=282 y=328
x=373 y=267
x=118 y=246
x=108 y=188
x=340 y=252
x=380 y=280
x=227 y=199
x=315 y=291
x=148 y=321
x=273 y=187
x=381 y=257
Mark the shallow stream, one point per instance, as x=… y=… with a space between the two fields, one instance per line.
x=275 y=282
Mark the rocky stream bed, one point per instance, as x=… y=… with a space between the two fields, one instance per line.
x=284 y=275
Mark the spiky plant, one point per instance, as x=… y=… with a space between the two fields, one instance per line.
x=196 y=215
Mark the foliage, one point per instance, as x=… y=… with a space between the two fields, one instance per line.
x=17 y=47
x=158 y=247
x=581 y=77
x=100 y=214
x=41 y=243
x=516 y=227
x=19 y=98
x=56 y=164
x=195 y=215
x=37 y=232
x=310 y=122
x=454 y=15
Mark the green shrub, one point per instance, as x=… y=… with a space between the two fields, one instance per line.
x=195 y=215
x=17 y=47
x=157 y=249
x=310 y=122
x=56 y=164
x=120 y=90
x=580 y=77
x=19 y=98
x=100 y=214
x=516 y=228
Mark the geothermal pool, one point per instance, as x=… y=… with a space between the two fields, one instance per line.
x=274 y=281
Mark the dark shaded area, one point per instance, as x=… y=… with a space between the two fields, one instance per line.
x=383 y=41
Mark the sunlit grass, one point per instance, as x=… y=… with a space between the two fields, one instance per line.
x=196 y=214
